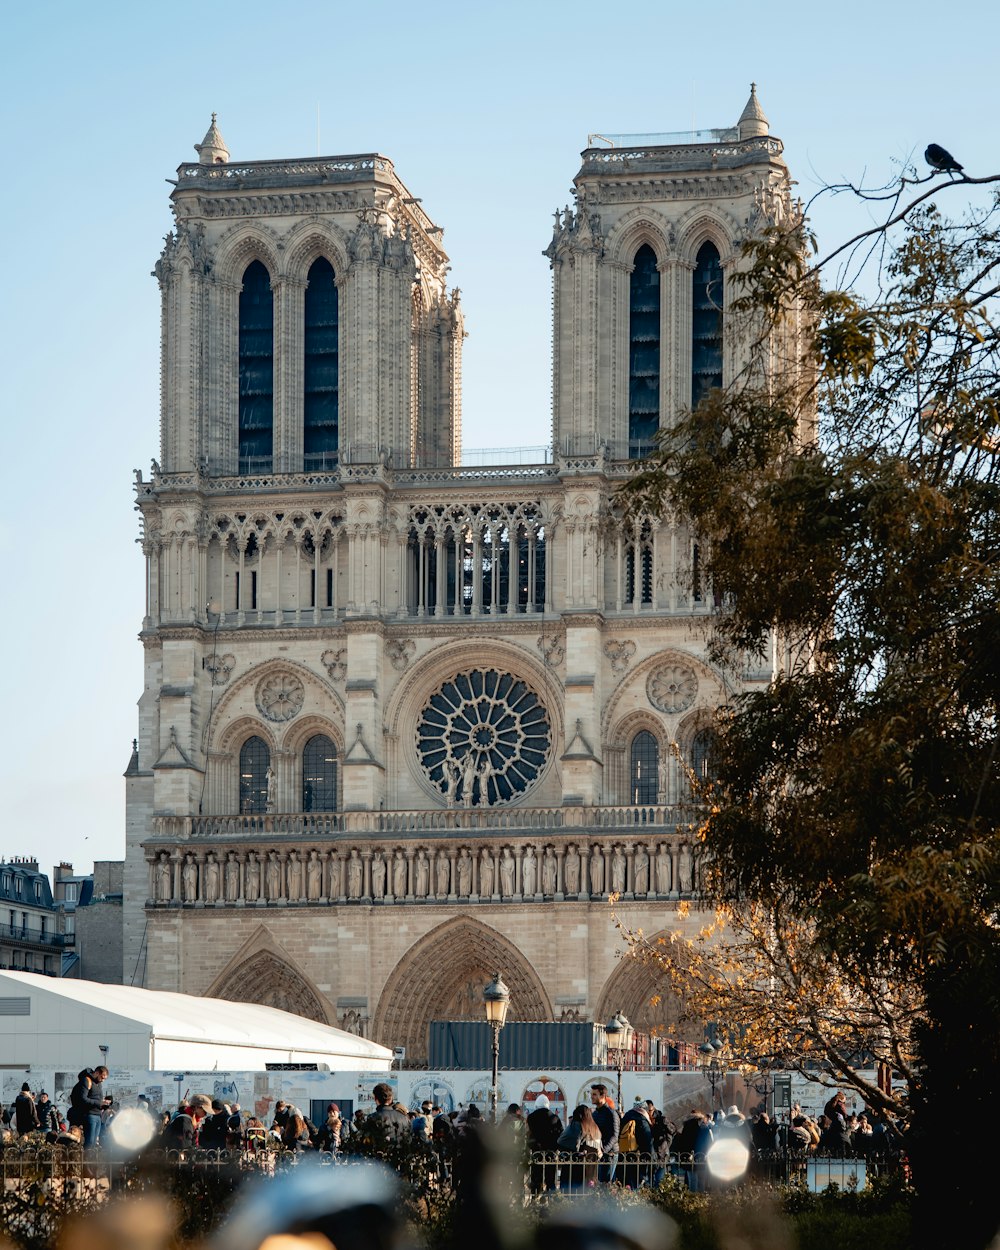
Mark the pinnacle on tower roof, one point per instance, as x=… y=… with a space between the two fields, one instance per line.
x=212 y=150
x=753 y=121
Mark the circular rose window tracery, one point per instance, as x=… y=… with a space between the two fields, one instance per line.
x=672 y=687
x=280 y=697
x=483 y=738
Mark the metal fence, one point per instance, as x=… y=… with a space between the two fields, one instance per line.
x=73 y=1175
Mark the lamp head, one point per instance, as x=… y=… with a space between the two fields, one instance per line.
x=496 y=996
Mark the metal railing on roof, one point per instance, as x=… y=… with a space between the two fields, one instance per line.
x=728 y=134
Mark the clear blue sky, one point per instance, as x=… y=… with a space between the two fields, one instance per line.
x=484 y=111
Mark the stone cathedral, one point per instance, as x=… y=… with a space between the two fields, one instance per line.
x=407 y=721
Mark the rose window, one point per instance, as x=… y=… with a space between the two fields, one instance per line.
x=280 y=697
x=672 y=687
x=483 y=738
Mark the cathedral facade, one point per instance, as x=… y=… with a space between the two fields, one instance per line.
x=406 y=721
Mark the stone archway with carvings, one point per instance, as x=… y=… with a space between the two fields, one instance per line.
x=442 y=977
x=647 y=1000
x=265 y=978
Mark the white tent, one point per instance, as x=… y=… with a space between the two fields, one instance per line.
x=46 y=1022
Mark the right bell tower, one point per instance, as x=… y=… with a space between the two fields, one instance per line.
x=642 y=269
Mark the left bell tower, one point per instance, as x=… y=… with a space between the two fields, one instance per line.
x=310 y=347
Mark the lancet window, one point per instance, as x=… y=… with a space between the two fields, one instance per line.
x=319 y=775
x=256 y=371
x=644 y=353
x=639 y=566
x=321 y=369
x=255 y=767
x=703 y=746
x=706 y=328
x=644 y=769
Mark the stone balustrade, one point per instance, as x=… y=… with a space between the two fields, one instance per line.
x=404 y=824
x=556 y=867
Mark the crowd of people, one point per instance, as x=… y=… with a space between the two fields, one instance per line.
x=596 y=1145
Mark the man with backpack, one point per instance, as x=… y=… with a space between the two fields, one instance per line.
x=635 y=1139
x=607 y=1120
x=25 y=1117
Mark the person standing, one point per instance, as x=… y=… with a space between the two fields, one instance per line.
x=94 y=1100
x=544 y=1128
x=48 y=1114
x=634 y=1170
x=607 y=1120
x=25 y=1112
x=390 y=1124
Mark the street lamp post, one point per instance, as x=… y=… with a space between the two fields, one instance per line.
x=710 y=1064
x=619 y=1034
x=497 y=999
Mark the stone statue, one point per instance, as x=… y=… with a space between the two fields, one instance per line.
x=314 y=876
x=354 y=875
x=640 y=871
x=506 y=873
x=662 y=869
x=464 y=873
x=164 y=878
x=529 y=873
x=423 y=875
x=232 y=885
x=469 y=774
x=252 y=889
x=685 y=870
x=661 y=780
x=294 y=875
x=272 y=783
x=571 y=871
x=483 y=773
x=452 y=776
x=617 y=870
x=378 y=875
x=597 y=871
x=336 y=876
x=399 y=876
x=273 y=874
x=485 y=873
x=548 y=872
x=189 y=879
x=212 y=879
x=443 y=875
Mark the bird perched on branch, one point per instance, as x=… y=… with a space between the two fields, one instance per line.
x=941 y=159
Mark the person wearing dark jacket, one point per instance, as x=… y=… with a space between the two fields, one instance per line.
x=25 y=1113
x=632 y=1172
x=214 y=1128
x=608 y=1121
x=544 y=1128
x=386 y=1123
x=48 y=1114
x=77 y=1114
x=93 y=1103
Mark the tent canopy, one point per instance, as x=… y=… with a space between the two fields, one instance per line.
x=46 y=1021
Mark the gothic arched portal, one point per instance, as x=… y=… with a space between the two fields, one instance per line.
x=645 y=997
x=269 y=981
x=442 y=977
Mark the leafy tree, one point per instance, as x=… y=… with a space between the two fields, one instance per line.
x=846 y=489
x=785 y=1001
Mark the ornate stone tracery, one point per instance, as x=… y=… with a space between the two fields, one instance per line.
x=672 y=687
x=483 y=738
x=280 y=696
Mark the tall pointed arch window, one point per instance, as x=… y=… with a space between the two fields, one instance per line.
x=644 y=353
x=320 y=435
x=644 y=769
x=256 y=371
x=319 y=775
x=703 y=747
x=255 y=764
x=706 y=328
